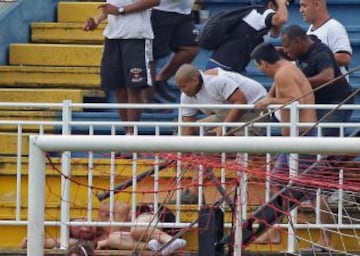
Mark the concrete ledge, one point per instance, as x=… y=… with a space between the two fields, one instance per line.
x=65 y=33
x=49 y=77
x=70 y=55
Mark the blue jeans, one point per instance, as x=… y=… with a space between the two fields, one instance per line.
x=280 y=171
x=338 y=116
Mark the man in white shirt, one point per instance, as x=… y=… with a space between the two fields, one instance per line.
x=330 y=31
x=217 y=86
x=127 y=51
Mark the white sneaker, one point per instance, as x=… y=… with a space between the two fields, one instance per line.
x=154 y=245
x=175 y=245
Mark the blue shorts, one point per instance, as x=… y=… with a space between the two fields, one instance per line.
x=280 y=171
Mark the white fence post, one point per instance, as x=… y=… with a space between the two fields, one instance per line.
x=66 y=173
x=36 y=200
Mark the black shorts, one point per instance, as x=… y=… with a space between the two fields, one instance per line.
x=172 y=31
x=125 y=63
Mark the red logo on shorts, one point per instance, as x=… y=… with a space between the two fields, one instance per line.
x=136 y=75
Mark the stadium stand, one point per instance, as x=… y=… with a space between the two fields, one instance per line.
x=61 y=61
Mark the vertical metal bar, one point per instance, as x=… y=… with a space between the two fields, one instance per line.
x=112 y=178
x=293 y=172
x=18 y=173
x=156 y=178
x=36 y=199
x=65 y=182
x=341 y=197
x=90 y=178
x=238 y=222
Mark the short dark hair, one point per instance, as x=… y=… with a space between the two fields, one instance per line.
x=293 y=32
x=266 y=52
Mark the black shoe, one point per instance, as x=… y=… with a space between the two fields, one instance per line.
x=162 y=90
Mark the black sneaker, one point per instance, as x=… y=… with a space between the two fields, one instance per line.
x=162 y=91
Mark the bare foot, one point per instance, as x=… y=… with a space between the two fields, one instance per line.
x=23 y=243
x=271 y=236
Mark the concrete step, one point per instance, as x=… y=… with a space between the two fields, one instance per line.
x=46 y=95
x=77 y=11
x=49 y=77
x=26 y=115
x=69 y=32
x=65 y=55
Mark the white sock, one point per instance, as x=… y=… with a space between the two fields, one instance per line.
x=154 y=245
x=176 y=244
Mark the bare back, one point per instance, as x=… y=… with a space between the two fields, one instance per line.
x=291 y=84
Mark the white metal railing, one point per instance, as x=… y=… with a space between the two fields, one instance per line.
x=67 y=125
x=43 y=143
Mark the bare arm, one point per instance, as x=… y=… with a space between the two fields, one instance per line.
x=280 y=17
x=93 y=22
x=188 y=130
x=234 y=114
x=131 y=8
x=272 y=91
x=343 y=58
x=321 y=78
x=238 y=97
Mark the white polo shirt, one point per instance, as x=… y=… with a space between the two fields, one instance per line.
x=218 y=89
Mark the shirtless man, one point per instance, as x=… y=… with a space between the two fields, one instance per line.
x=290 y=84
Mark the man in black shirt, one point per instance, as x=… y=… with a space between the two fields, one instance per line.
x=319 y=65
x=234 y=54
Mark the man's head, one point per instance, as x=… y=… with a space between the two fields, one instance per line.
x=188 y=79
x=313 y=10
x=294 y=41
x=265 y=56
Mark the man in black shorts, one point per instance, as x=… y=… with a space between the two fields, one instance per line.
x=174 y=33
x=127 y=52
x=234 y=54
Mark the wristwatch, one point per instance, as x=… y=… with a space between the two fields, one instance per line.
x=121 y=10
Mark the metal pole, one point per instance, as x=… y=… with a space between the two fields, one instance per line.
x=293 y=172
x=65 y=182
x=36 y=199
x=208 y=144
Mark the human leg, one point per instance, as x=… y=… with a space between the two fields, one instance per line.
x=174 y=33
x=120 y=240
x=120 y=212
x=134 y=95
x=147 y=233
x=136 y=58
x=150 y=233
x=278 y=179
x=325 y=218
x=184 y=54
